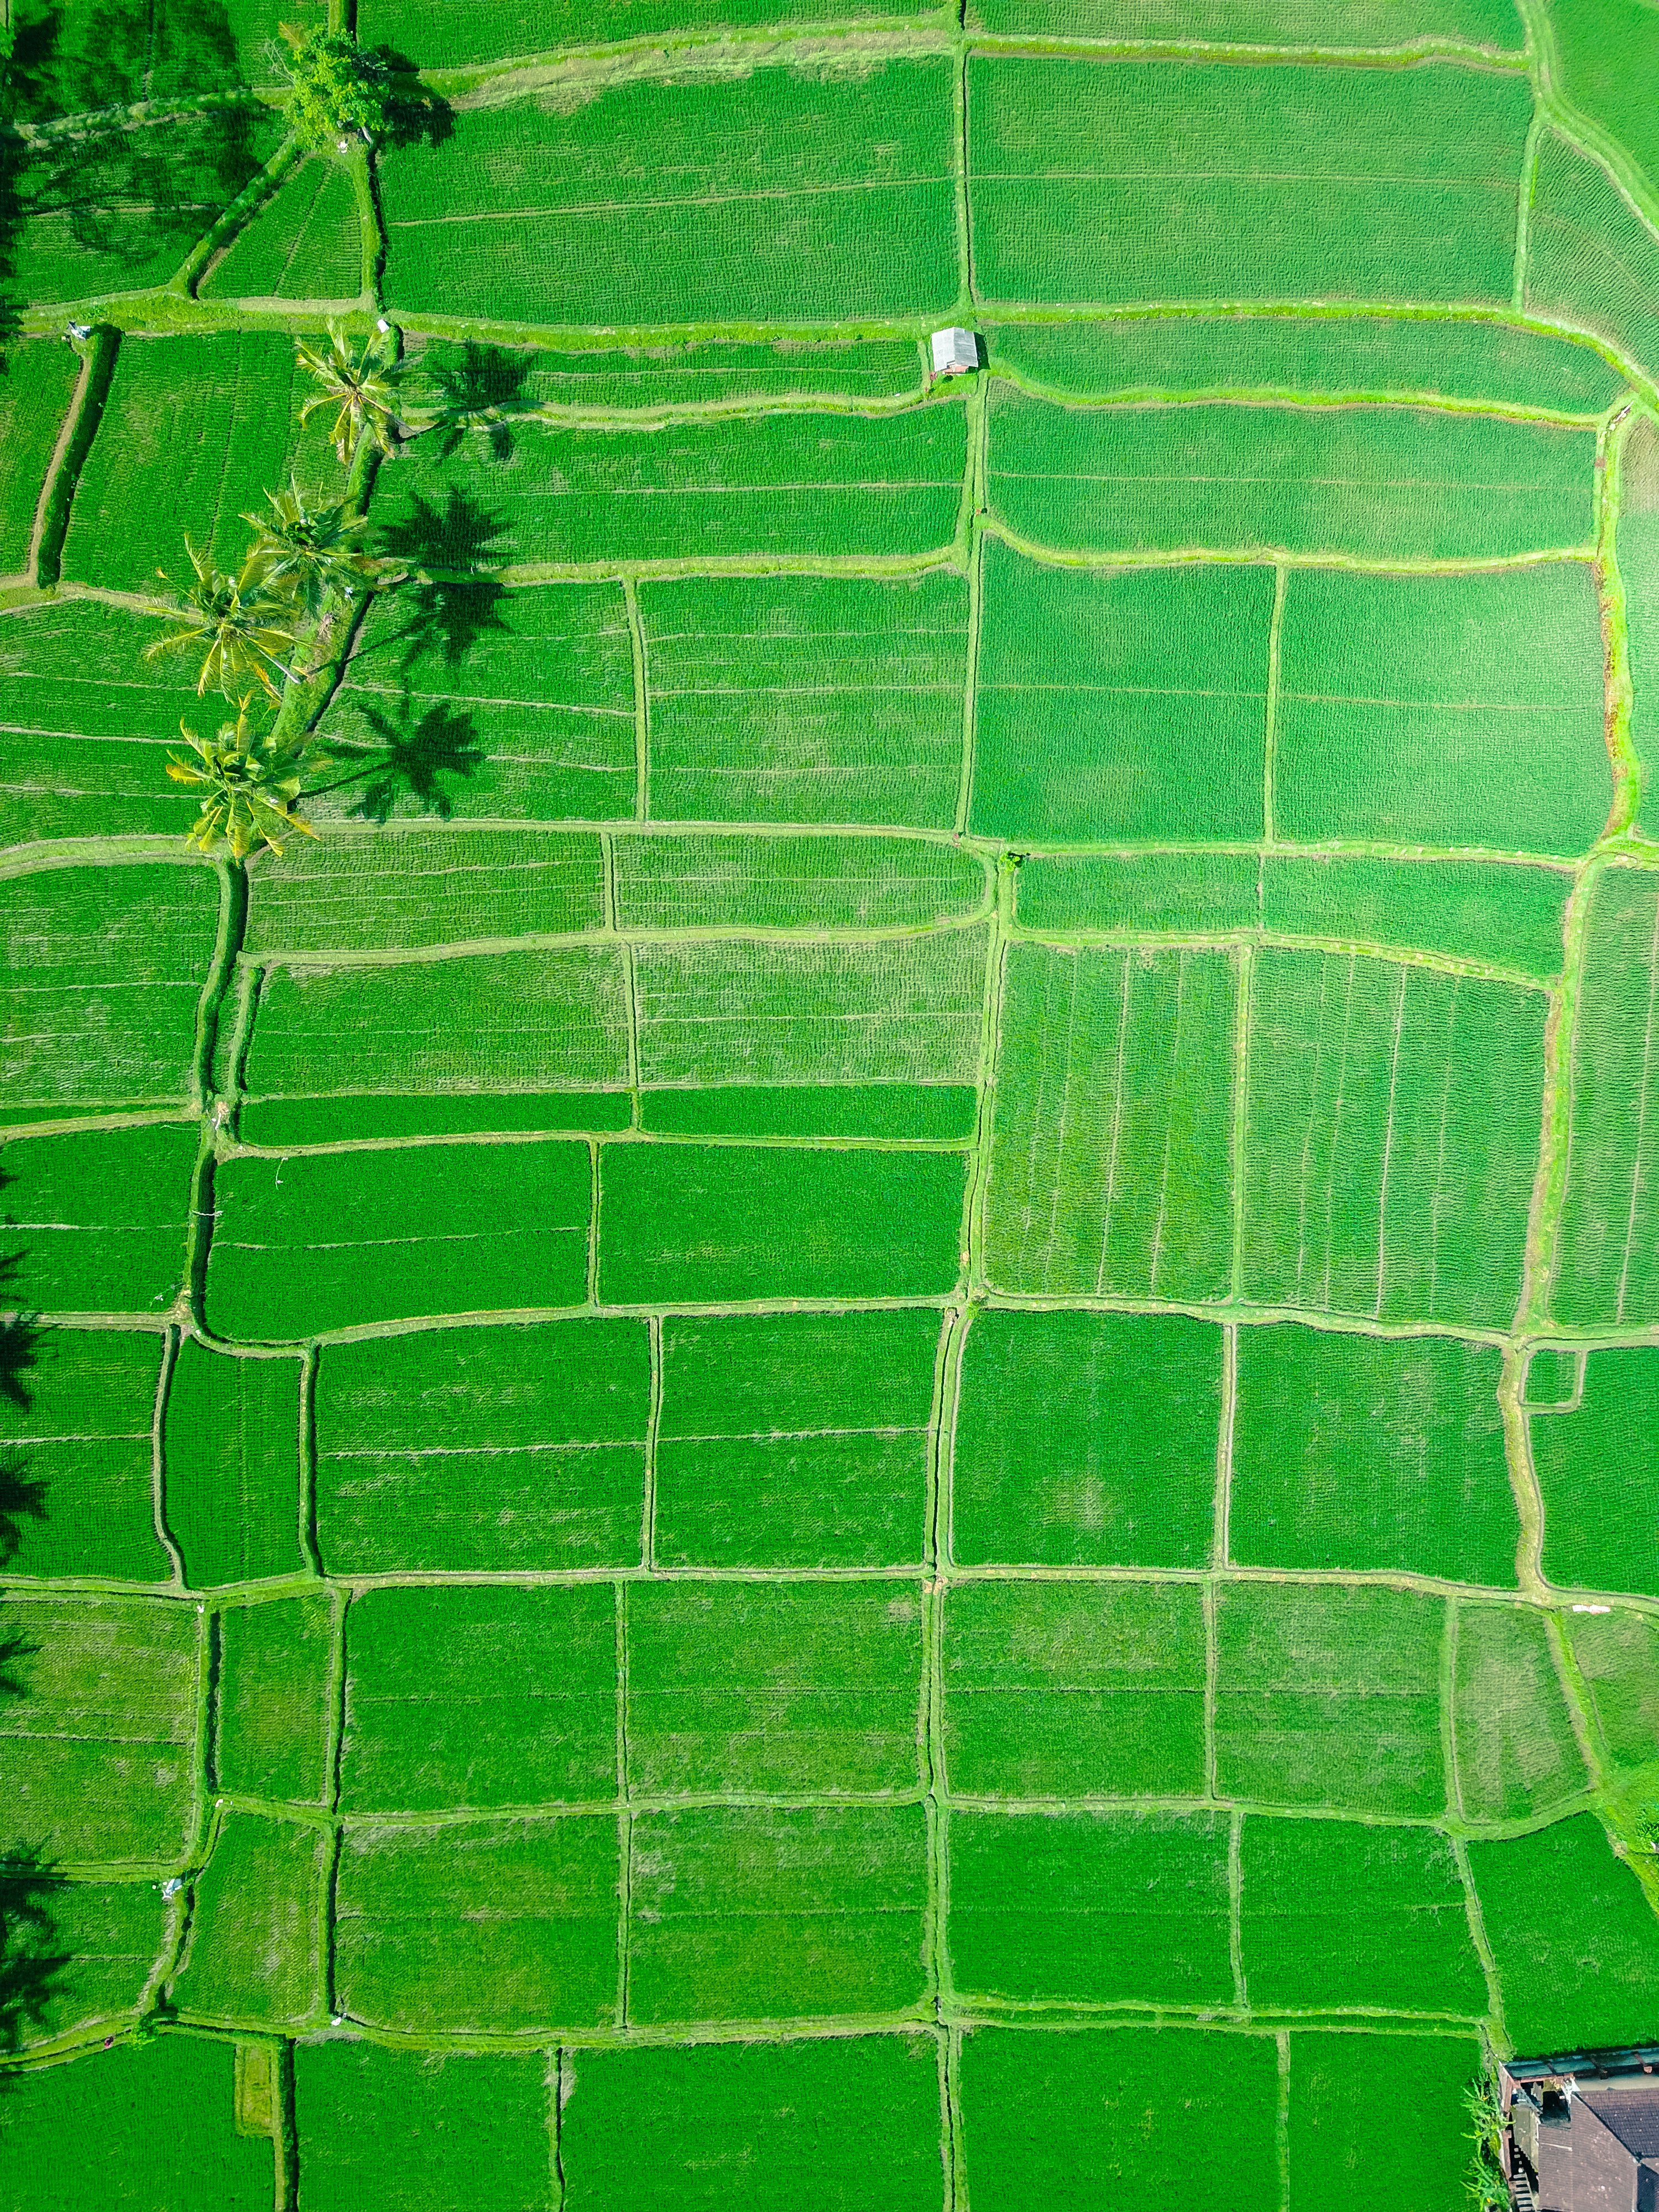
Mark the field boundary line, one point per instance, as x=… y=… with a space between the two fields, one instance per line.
x=630 y=591
x=961 y=175
x=976 y=1197
x=75 y=436
x=652 y=1442
x=1236 y=1909
x=1535 y=129
x=1270 y=709
x=1265 y=556
x=1584 y=136
x=1477 y=1937
x=1282 y=2121
x=976 y=502
x=1221 y=1522
x=1239 y=1127
x=158 y=1464
x=1586 y=1729
x=1448 y=1656
x=1555 y=1137
x=952 y=2150
x=1619 y=686
x=623 y=1809
x=1209 y=1603
x=1524 y=1477
x=309 y=1550
x=590 y=1303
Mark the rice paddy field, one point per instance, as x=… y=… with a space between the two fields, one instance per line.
x=863 y=1412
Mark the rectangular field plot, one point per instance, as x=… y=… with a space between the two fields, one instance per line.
x=810 y=883
x=470 y=33
x=1345 y=2093
x=174 y=49
x=1618 y=1659
x=1516 y=1752
x=271 y=1728
x=87 y=724
x=101 y=975
x=34 y=396
x=1295 y=23
x=1091 y=1908
x=372 y=2122
x=1607 y=1272
x=255 y=1931
x=795 y=1439
x=231 y=1466
x=304 y=244
x=1393 y=1128
x=1049 y=2119
x=717 y=1223
x=1567 y=1982
x=1329 y=1698
x=807 y=698
x=479 y=1695
x=324 y=1241
x=1073 y=1690
x=282 y=1124
x=761 y=1913
x=1365 y=1453
x=1598 y=1471
x=486 y=1927
x=796 y=485
x=1638 y=569
x=1337 y=1917
x=1590 y=258
x=98 y=1747
x=1351 y=357
x=460 y=381
x=464 y=698
x=1098 y=180
x=1111 y=1166
x=1481 y=910
x=935 y=1112
x=1087 y=1439
x=88 y=1948
x=1378 y=483
x=1140 y=894
x=744 y=2127
x=798 y=1688
x=75 y=1427
x=484 y=1448
x=1443 y=710
x=100 y=1217
x=781 y=197
x=1128 y=706
x=194 y=432
x=406 y=887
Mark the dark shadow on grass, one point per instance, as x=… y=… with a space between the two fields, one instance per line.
x=446 y=614
x=410 y=759
x=474 y=391
x=415 y=116
x=22 y=1498
x=32 y=1963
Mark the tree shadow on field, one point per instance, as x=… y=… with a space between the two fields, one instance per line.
x=410 y=759
x=479 y=392
x=447 y=613
x=416 y=115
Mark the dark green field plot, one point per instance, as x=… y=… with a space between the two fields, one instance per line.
x=1443 y=710
x=805 y=485
x=1512 y=1733
x=1070 y=1690
x=272 y=1722
x=1590 y=258
x=452 y=380
x=480 y=1927
x=1392 y=1131
x=76 y=1428
x=497 y=1227
x=1129 y=705
x=1598 y=1470
x=231 y=1463
x=718 y=1224
x=779 y=197
x=1337 y=1917
x=462 y=698
x=483 y=1448
x=741 y=2127
x=1377 y=483
x=1607 y=1272
x=1336 y=23
x=304 y=244
x=195 y=431
x=106 y=1941
x=1111 y=1147
x=807 y=698
x=937 y=1113
x=1099 y=182
x=378 y=2128
x=1091 y=1907
x=1364 y=1452
x=1480 y=910
x=819 y=884
x=761 y=1913
x=103 y=59
x=796 y=1687
x=479 y=1695
x=1343 y=2091
x=1330 y=1697
x=99 y=1217
x=1615 y=1654
x=255 y=1936
x=98 y=1744
x=35 y=390
x=1141 y=895
x=87 y=721
x=795 y=1439
x=103 y=970
x=1087 y=1439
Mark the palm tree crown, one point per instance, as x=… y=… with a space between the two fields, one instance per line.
x=304 y=553
x=363 y=389
x=251 y=779
x=245 y=629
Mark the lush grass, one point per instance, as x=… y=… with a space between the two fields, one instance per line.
x=1639 y=570
x=255 y=1938
x=1599 y=1475
x=37 y=381
x=232 y=1465
x=282 y=1123
x=1362 y=23
x=806 y=883
x=473 y=33
x=1615 y=1656
x=77 y=1427
x=1140 y=894
x=102 y=1217
x=373 y=2123
x=270 y=1714
x=1590 y=258
x=75 y=55
x=940 y=1113
x=1346 y=2093
x=104 y=1942
x=304 y=244
x=1481 y=910
x=448 y=377
x=1516 y=1752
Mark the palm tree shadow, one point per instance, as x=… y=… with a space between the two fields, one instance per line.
x=32 y=1962
x=411 y=760
x=479 y=391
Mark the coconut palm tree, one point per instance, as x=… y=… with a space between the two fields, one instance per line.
x=305 y=553
x=363 y=389
x=246 y=631
x=252 y=781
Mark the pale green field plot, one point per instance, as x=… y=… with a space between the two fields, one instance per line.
x=1615 y=1654
x=1110 y=1157
x=449 y=379
x=1140 y=894
x=1478 y=910
x=1363 y=24
x=270 y=1723
x=1068 y=1690
x=1329 y=1698
x=780 y=196
x=461 y=698
x=473 y=33
x=1130 y=706
x=483 y=1448
x=816 y=883
x=1098 y=181
x=1516 y=1752
x=1607 y=1273
x=1392 y=1130
x=754 y=1912
x=98 y=1742
x=1087 y=1439
x=1345 y=2089
x=76 y=1428
x=372 y=2123
x=795 y=1439
x=106 y=1940
x=1380 y=483
x=1363 y=1452
x=1638 y=569
x=807 y=698
x=1598 y=1471
x=231 y=1466
x=254 y=1953
x=304 y=244
x=1091 y=1908
x=1591 y=259
x=36 y=384
x=100 y=1217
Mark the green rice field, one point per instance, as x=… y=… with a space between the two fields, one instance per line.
x=862 y=1410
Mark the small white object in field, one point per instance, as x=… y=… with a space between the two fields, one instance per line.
x=382 y=324
x=171 y=1888
x=955 y=352
x=1592 y=1608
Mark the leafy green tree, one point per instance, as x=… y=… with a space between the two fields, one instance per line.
x=251 y=779
x=339 y=93
x=1487 y=2186
x=361 y=386
x=306 y=554
x=242 y=629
